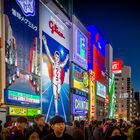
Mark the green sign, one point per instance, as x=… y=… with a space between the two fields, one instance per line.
x=33 y=111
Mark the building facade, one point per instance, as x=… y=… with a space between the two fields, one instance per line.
x=123 y=90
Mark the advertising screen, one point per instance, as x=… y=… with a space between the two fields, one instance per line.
x=22 y=49
x=33 y=111
x=96 y=53
x=80 y=48
x=20 y=111
x=17 y=111
x=99 y=66
x=101 y=90
x=80 y=78
x=21 y=98
x=79 y=105
x=55 y=67
x=117 y=66
x=92 y=96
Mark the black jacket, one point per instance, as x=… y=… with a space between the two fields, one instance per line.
x=52 y=136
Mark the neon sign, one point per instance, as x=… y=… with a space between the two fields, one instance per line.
x=20 y=98
x=27 y=7
x=117 y=66
x=54 y=29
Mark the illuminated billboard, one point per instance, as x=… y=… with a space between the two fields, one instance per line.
x=92 y=97
x=21 y=98
x=94 y=39
x=55 y=65
x=79 y=78
x=20 y=111
x=21 y=20
x=79 y=105
x=80 y=48
x=100 y=89
x=17 y=111
x=99 y=66
x=111 y=97
x=117 y=66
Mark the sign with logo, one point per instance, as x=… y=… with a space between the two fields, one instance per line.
x=21 y=98
x=80 y=48
x=20 y=111
x=22 y=48
x=101 y=89
x=55 y=65
x=92 y=104
x=80 y=78
x=94 y=39
x=117 y=66
x=79 y=104
x=27 y=7
x=17 y=111
x=54 y=27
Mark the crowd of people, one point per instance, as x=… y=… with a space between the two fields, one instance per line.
x=57 y=129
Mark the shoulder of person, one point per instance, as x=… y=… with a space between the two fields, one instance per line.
x=69 y=137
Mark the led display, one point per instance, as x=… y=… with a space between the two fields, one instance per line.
x=79 y=104
x=101 y=89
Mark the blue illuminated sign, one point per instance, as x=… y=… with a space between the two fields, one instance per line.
x=21 y=98
x=94 y=39
x=81 y=43
x=27 y=7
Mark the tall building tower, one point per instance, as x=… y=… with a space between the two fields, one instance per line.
x=123 y=90
x=108 y=77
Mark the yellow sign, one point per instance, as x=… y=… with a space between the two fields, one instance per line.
x=17 y=111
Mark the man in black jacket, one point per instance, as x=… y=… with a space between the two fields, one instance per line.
x=58 y=125
x=136 y=135
x=42 y=128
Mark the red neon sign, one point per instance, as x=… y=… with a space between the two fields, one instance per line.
x=54 y=29
x=117 y=66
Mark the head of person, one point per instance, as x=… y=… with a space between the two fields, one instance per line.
x=136 y=123
x=58 y=125
x=21 y=123
x=76 y=124
x=31 y=134
x=40 y=120
x=57 y=56
x=115 y=131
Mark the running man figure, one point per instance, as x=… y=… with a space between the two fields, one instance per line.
x=57 y=66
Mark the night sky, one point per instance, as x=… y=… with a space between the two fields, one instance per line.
x=118 y=22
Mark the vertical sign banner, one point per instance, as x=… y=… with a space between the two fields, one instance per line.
x=96 y=53
x=55 y=67
x=22 y=52
x=80 y=48
x=92 y=104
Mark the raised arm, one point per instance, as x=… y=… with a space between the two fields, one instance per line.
x=47 y=49
x=65 y=61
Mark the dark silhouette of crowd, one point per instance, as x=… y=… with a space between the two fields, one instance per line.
x=57 y=129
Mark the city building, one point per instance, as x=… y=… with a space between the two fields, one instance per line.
x=123 y=90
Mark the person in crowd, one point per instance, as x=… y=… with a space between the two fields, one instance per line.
x=129 y=130
x=84 y=129
x=114 y=133
x=19 y=130
x=1 y=137
x=58 y=125
x=136 y=126
x=98 y=131
x=40 y=126
x=31 y=134
x=91 y=128
x=77 y=131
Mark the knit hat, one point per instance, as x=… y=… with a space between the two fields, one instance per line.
x=56 y=119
